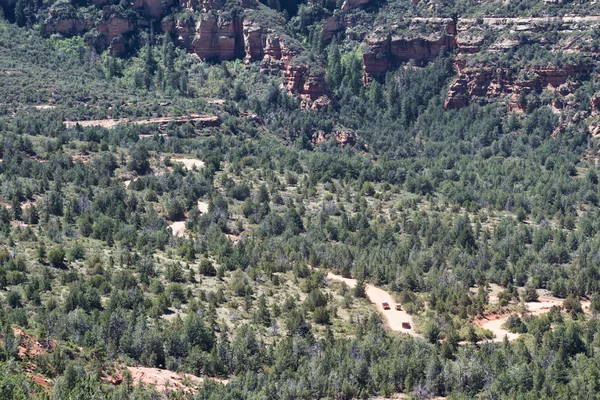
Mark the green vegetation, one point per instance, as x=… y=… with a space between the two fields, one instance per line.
x=114 y=252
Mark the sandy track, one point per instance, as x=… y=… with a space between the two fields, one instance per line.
x=495 y=325
x=208 y=120
x=377 y=296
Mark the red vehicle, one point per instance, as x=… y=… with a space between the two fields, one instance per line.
x=406 y=325
x=385 y=305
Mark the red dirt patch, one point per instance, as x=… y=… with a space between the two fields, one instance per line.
x=31 y=347
x=43 y=382
x=164 y=380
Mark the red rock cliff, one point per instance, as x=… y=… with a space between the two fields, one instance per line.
x=210 y=36
x=480 y=84
x=388 y=52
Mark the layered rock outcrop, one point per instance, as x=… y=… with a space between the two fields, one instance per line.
x=279 y=54
x=210 y=33
x=342 y=137
x=66 y=22
x=217 y=38
x=211 y=36
x=67 y=26
x=386 y=52
x=109 y=28
x=479 y=84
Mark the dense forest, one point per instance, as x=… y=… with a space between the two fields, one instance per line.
x=160 y=212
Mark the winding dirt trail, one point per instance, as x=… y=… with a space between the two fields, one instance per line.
x=111 y=123
x=377 y=296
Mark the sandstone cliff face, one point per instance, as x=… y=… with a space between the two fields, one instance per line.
x=254 y=41
x=67 y=25
x=483 y=83
x=111 y=28
x=341 y=23
x=478 y=83
x=212 y=37
x=217 y=38
x=388 y=52
x=331 y=26
x=298 y=78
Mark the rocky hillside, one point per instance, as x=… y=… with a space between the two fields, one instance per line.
x=505 y=56
x=212 y=30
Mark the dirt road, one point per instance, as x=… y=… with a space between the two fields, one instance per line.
x=110 y=123
x=377 y=296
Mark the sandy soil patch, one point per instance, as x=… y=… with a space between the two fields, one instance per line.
x=218 y=102
x=80 y=157
x=494 y=322
x=40 y=380
x=492 y=294
x=19 y=224
x=164 y=380
x=104 y=123
x=128 y=181
x=377 y=296
x=234 y=238
x=203 y=207
x=189 y=163
x=178 y=228
x=150 y=135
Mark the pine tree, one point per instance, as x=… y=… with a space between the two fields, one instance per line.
x=20 y=12
x=149 y=66
x=334 y=65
